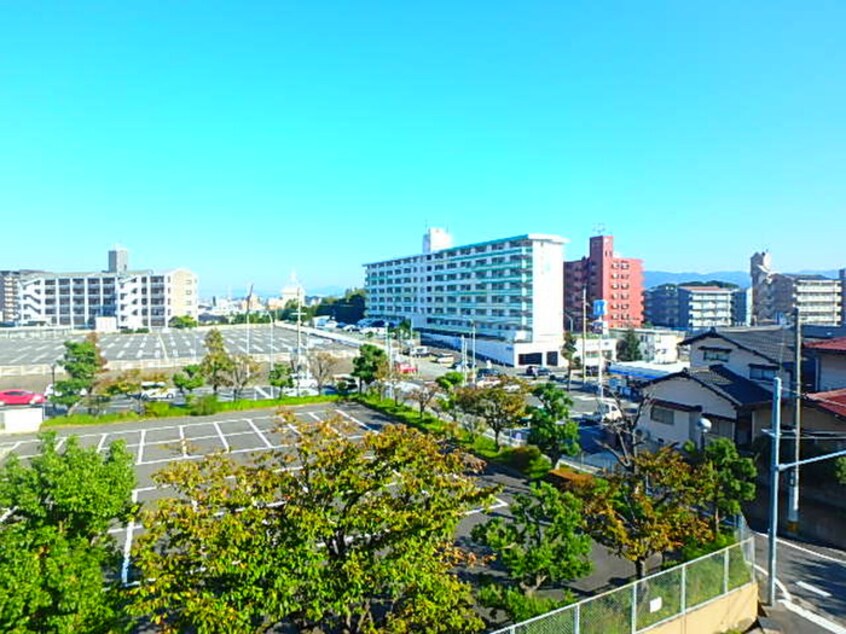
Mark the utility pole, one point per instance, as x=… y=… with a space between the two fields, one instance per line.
x=249 y=302
x=299 y=342
x=774 y=473
x=473 y=343
x=584 y=334
x=793 y=491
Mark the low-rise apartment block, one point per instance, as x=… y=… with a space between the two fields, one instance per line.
x=504 y=295
x=776 y=296
x=136 y=299
x=694 y=307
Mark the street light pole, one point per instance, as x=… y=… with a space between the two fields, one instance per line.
x=793 y=490
x=704 y=427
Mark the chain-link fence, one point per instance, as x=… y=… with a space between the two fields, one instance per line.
x=640 y=605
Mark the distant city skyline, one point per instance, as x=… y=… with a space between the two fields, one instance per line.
x=247 y=141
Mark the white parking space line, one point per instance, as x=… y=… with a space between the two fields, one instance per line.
x=182 y=441
x=354 y=419
x=294 y=429
x=314 y=416
x=127 y=544
x=141 y=447
x=811 y=588
x=221 y=436
x=261 y=392
x=102 y=442
x=259 y=433
x=498 y=504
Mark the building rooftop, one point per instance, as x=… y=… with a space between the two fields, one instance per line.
x=836 y=345
x=833 y=402
x=772 y=342
x=719 y=379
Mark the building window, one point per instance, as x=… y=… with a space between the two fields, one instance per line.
x=762 y=372
x=663 y=415
x=716 y=354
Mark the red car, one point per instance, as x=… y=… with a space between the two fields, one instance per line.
x=20 y=397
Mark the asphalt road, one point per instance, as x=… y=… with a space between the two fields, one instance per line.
x=810 y=576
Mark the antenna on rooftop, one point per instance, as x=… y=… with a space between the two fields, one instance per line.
x=599 y=229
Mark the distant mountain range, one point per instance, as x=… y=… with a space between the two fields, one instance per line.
x=741 y=278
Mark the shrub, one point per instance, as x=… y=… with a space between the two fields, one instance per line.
x=159 y=409
x=528 y=460
x=204 y=405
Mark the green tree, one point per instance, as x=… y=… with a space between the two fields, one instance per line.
x=243 y=371
x=370 y=365
x=628 y=348
x=127 y=383
x=189 y=379
x=648 y=510
x=217 y=364
x=450 y=380
x=840 y=470
x=726 y=478
x=500 y=406
x=57 y=560
x=280 y=376
x=543 y=542
x=83 y=362
x=183 y=321
x=363 y=542
x=550 y=427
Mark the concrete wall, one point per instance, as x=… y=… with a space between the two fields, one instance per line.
x=736 y=610
x=21 y=420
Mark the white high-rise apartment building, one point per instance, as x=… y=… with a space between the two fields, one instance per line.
x=505 y=295
x=135 y=298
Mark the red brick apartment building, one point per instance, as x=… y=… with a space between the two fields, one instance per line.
x=604 y=275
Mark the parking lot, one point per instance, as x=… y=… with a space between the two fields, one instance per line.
x=242 y=435
x=164 y=346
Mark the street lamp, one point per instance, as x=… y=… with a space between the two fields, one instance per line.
x=704 y=426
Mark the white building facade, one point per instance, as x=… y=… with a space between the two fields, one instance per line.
x=135 y=299
x=505 y=295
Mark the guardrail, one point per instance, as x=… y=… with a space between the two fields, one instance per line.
x=649 y=602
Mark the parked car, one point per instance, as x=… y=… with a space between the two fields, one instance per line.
x=20 y=397
x=606 y=410
x=155 y=391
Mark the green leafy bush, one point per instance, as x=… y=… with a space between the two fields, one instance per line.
x=204 y=405
x=527 y=460
x=160 y=409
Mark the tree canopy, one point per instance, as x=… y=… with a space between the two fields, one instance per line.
x=647 y=510
x=371 y=364
x=358 y=538
x=217 y=364
x=57 y=560
x=550 y=427
x=544 y=542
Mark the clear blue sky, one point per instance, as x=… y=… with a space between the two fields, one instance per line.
x=247 y=139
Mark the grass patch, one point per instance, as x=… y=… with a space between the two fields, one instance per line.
x=202 y=406
x=90 y=419
x=527 y=460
